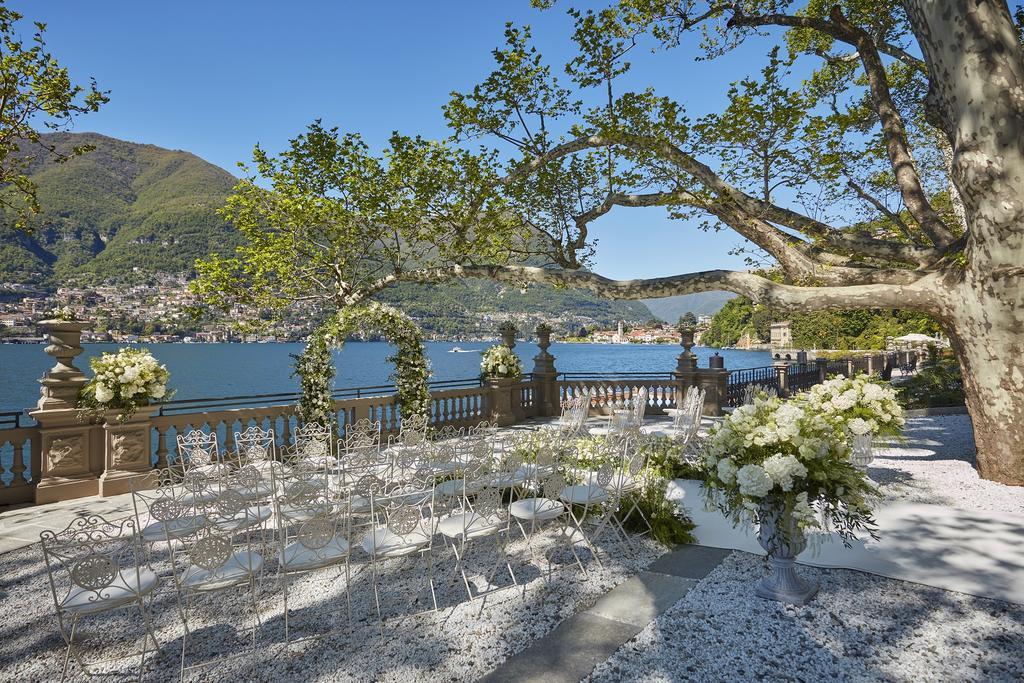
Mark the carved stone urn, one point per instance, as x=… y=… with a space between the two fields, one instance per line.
x=783 y=541
x=61 y=383
x=127 y=451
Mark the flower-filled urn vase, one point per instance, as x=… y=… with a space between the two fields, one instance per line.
x=783 y=541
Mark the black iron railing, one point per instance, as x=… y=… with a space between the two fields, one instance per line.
x=260 y=400
x=15 y=420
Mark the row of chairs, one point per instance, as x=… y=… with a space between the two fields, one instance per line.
x=228 y=523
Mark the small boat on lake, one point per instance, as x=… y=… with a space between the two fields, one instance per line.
x=459 y=349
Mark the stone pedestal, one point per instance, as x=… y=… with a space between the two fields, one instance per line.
x=71 y=457
x=127 y=452
x=782 y=376
x=71 y=450
x=501 y=404
x=545 y=376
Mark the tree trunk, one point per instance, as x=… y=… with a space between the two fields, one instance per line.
x=986 y=326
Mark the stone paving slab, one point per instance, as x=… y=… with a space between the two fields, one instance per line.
x=584 y=640
x=641 y=598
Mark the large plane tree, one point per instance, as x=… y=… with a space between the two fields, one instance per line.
x=877 y=159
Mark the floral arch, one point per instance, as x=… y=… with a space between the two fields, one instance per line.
x=315 y=368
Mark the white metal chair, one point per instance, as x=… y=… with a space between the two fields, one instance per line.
x=165 y=511
x=256 y=447
x=313 y=536
x=545 y=482
x=220 y=557
x=95 y=566
x=575 y=410
x=313 y=442
x=405 y=529
x=482 y=516
x=198 y=450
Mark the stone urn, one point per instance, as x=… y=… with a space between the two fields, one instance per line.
x=783 y=541
x=127 y=451
x=62 y=382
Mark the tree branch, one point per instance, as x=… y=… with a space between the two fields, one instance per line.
x=893 y=129
x=920 y=294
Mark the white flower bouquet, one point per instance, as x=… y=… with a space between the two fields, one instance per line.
x=784 y=458
x=500 y=361
x=124 y=381
x=62 y=313
x=857 y=406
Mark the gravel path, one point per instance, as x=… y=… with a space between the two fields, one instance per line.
x=860 y=627
x=935 y=464
x=456 y=643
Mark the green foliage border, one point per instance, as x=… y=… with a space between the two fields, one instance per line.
x=315 y=367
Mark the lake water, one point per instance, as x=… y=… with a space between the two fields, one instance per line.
x=218 y=370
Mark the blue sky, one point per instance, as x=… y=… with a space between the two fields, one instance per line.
x=214 y=78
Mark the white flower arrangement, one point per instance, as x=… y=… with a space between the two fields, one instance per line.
x=500 y=361
x=123 y=381
x=857 y=406
x=789 y=456
x=62 y=313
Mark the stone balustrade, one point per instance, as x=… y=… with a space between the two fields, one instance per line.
x=62 y=457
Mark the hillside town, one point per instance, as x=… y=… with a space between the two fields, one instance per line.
x=166 y=311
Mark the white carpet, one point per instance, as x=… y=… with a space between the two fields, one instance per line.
x=937 y=545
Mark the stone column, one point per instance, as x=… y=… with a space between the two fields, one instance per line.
x=71 y=450
x=127 y=452
x=715 y=380
x=822 y=364
x=782 y=375
x=686 y=365
x=545 y=376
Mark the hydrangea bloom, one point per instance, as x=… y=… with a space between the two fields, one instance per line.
x=124 y=381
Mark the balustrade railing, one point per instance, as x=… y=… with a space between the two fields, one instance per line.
x=614 y=390
x=19 y=459
x=459 y=403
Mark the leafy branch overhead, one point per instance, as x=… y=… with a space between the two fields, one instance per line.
x=36 y=93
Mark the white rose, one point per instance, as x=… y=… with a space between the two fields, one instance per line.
x=157 y=390
x=502 y=369
x=103 y=394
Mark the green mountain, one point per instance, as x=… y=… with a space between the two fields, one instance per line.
x=120 y=212
x=126 y=211
x=669 y=308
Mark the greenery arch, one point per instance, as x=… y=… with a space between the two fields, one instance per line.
x=316 y=369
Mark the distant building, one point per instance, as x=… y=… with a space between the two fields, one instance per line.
x=782 y=335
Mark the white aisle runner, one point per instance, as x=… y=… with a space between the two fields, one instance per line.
x=936 y=545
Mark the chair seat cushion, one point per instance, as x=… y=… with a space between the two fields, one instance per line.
x=127 y=586
x=172 y=528
x=250 y=517
x=470 y=525
x=538 y=509
x=212 y=469
x=619 y=480
x=260 y=491
x=290 y=514
x=297 y=557
x=385 y=543
x=238 y=569
x=583 y=494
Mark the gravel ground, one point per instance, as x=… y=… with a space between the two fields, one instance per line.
x=935 y=464
x=456 y=643
x=860 y=627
